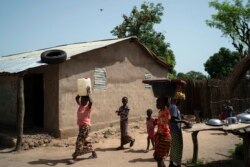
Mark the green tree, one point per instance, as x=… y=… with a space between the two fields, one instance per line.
x=233 y=20
x=191 y=75
x=221 y=64
x=196 y=75
x=141 y=23
x=182 y=76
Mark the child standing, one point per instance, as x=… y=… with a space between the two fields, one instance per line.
x=223 y=114
x=83 y=121
x=151 y=123
x=123 y=113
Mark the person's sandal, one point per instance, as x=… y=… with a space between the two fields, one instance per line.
x=71 y=161
x=120 y=148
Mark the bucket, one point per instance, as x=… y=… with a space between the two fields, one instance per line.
x=163 y=89
x=82 y=84
x=231 y=120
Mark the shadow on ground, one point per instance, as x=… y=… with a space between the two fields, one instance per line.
x=221 y=163
x=134 y=151
x=53 y=162
x=105 y=149
x=142 y=160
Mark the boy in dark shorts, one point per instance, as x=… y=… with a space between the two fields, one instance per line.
x=123 y=113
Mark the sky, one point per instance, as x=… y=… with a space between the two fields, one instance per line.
x=29 y=25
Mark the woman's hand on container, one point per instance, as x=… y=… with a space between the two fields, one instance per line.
x=88 y=90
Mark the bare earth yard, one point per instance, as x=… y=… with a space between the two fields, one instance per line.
x=214 y=149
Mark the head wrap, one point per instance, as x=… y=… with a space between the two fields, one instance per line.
x=179 y=95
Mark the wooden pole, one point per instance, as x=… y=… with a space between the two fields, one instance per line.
x=21 y=112
x=195 y=147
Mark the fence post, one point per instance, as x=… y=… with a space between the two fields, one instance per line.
x=21 y=112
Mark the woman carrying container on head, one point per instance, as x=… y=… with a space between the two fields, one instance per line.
x=84 y=121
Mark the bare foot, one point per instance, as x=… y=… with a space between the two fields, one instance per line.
x=93 y=156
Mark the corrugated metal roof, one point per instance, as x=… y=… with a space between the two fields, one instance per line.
x=23 y=61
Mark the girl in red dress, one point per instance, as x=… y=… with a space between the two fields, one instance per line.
x=151 y=123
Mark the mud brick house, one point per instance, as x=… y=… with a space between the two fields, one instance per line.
x=116 y=68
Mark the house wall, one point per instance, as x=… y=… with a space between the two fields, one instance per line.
x=51 y=104
x=126 y=64
x=8 y=99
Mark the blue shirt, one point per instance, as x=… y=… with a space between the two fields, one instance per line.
x=175 y=112
x=229 y=111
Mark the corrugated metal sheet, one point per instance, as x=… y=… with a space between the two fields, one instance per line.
x=23 y=61
x=100 y=78
x=147 y=76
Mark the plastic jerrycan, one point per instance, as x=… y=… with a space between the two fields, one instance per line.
x=82 y=84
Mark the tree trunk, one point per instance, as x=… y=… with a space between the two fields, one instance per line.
x=21 y=112
x=238 y=72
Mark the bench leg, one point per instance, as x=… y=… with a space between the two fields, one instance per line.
x=195 y=146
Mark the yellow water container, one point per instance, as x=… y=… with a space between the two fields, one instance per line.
x=82 y=84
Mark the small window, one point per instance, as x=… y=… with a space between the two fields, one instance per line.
x=147 y=76
x=100 y=77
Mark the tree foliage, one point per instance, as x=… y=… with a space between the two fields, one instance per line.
x=233 y=20
x=141 y=23
x=221 y=64
x=191 y=75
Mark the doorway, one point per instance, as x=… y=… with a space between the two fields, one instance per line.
x=34 y=101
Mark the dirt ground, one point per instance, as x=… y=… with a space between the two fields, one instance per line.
x=214 y=150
